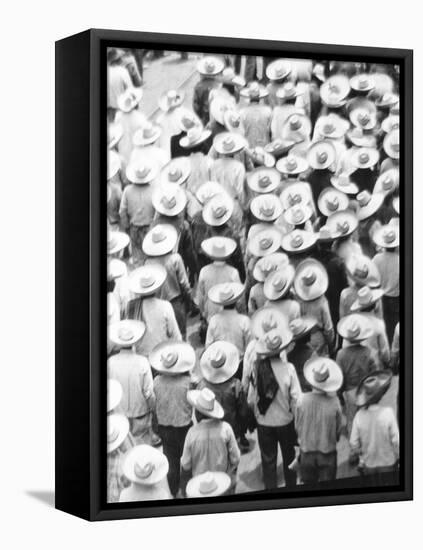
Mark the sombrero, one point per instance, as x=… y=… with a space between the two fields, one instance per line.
x=219 y=362
x=358 y=137
x=355 y=327
x=301 y=327
x=142 y=171
x=363 y=118
x=297 y=127
x=343 y=223
x=268 y=264
x=263 y=180
x=298 y=241
x=114 y=394
x=331 y=126
x=298 y=214
x=311 y=280
x=218 y=210
x=278 y=69
x=160 y=240
x=210 y=65
x=396 y=204
x=129 y=99
x=218 y=107
x=273 y=342
x=146 y=135
x=114 y=134
x=388 y=99
x=362 y=270
x=387 y=236
x=331 y=201
x=126 y=333
x=232 y=121
x=321 y=154
x=334 y=91
x=343 y=183
x=395 y=109
x=265 y=319
x=176 y=171
x=278 y=147
x=195 y=135
x=208 y=190
x=362 y=82
x=145 y=465
x=225 y=294
x=229 y=143
x=387 y=182
x=147 y=279
x=172 y=358
x=229 y=76
x=204 y=401
x=391 y=144
x=390 y=123
x=117 y=431
x=319 y=71
x=113 y=164
x=115 y=269
x=323 y=374
x=266 y=207
x=208 y=484
x=368 y=204
x=297 y=193
x=288 y=90
x=373 y=387
x=218 y=248
x=364 y=157
x=170 y=100
x=169 y=199
x=254 y=90
x=187 y=119
x=116 y=241
x=292 y=165
x=277 y=285
x=325 y=234
x=260 y=157
x=265 y=242
x=366 y=297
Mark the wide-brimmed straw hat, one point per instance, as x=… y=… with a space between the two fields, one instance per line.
x=176 y=171
x=208 y=190
x=388 y=99
x=187 y=119
x=297 y=127
x=391 y=144
x=368 y=204
x=296 y=194
x=355 y=327
x=217 y=108
x=331 y=201
x=229 y=143
x=265 y=242
x=147 y=279
x=362 y=270
x=160 y=240
x=360 y=138
x=115 y=269
x=390 y=123
x=263 y=180
x=268 y=264
x=321 y=154
x=343 y=223
x=325 y=234
x=311 y=280
x=114 y=394
x=387 y=236
x=232 y=121
x=114 y=134
x=362 y=82
x=113 y=164
x=273 y=342
x=364 y=157
x=142 y=171
x=366 y=297
x=323 y=374
x=343 y=183
x=265 y=319
x=129 y=99
x=266 y=207
x=298 y=241
x=210 y=65
x=297 y=215
x=277 y=284
x=116 y=241
x=292 y=165
x=278 y=147
x=331 y=126
x=362 y=113
x=260 y=157
x=169 y=199
x=146 y=135
x=254 y=90
x=334 y=91
x=204 y=401
x=288 y=90
x=218 y=248
x=172 y=358
x=145 y=465
x=219 y=362
x=226 y=294
x=301 y=327
x=396 y=204
x=195 y=135
x=218 y=210
x=117 y=431
x=126 y=333
x=170 y=100
x=278 y=69
x=387 y=182
x=373 y=387
x=229 y=76
x=209 y=484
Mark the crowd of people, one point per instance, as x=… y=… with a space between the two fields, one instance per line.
x=253 y=276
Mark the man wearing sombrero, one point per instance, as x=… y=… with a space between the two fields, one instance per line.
x=256 y=117
x=209 y=67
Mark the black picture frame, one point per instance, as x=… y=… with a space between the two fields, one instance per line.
x=81 y=267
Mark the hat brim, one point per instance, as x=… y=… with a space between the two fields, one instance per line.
x=219 y=66
x=363 y=141
x=121 y=242
x=371 y=207
x=159 y=280
x=114 y=394
x=223 y=482
x=254 y=177
x=122 y=425
x=340 y=217
x=318 y=288
x=366 y=330
x=373 y=158
x=302 y=166
x=225 y=372
x=141 y=141
x=362 y=399
x=187 y=144
x=280 y=260
x=258 y=214
x=181 y=202
x=133 y=178
x=161 y=248
x=326 y=148
x=217 y=412
x=289 y=213
x=343 y=202
x=185 y=362
x=137 y=92
x=137 y=327
x=254 y=248
x=331 y=384
x=309 y=240
x=350 y=189
x=211 y=219
x=213 y=294
x=264 y=351
x=164 y=104
x=261 y=315
x=268 y=289
x=377 y=293
x=157 y=458
x=183 y=163
x=308 y=325
x=229 y=249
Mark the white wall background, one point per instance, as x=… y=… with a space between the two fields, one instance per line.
x=28 y=32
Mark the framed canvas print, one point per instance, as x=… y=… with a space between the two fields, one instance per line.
x=234 y=264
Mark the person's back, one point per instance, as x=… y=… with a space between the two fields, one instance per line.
x=256 y=120
x=231 y=326
x=356 y=362
x=228 y=394
x=210 y=275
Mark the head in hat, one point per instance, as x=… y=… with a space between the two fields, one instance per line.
x=387 y=236
x=195 y=136
x=230 y=78
x=172 y=358
x=364 y=157
x=113 y=164
x=204 y=401
x=396 y=204
x=388 y=182
x=297 y=128
x=391 y=144
x=278 y=70
x=331 y=126
x=390 y=123
x=229 y=143
x=265 y=319
x=368 y=204
x=147 y=279
x=218 y=210
x=263 y=180
x=260 y=157
x=335 y=90
x=362 y=271
x=219 y=362
x=176 y=171
x=254 y=92
x=268 y=264
x=232 y=121
x=273 y=342
x=288 y=92
x=295 y=194
x=331 y=201
x=145 y=465
x=342 y=224
x=343 y=183
x=373 y=387
x=266 y=208
x=298 y=214
x=277 y=284
x=169 y=199
x=323 y=374
x=301 y=327
x=129 y=99
x=146 y=135
x=362 y=138
x=117 y=431
x=386 y=100
x=298 y=241
x=355 y=328
x=362 y=83
x=265 y=242
x=170 y=100
x=362 y=113
x=160 y=240
x=311 y=280
x=279 y=147
x=292 y=165
x=226 y=294
x=367 y=298
x=114 y=394
x=142 y=171
x=187 y=119
x=209 y=484
x=210 y=66
x=208 y=190
x=126 y=333
x=218 y=248
x=321 y=154
x=116 y=242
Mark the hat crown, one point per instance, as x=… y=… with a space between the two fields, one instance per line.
x=207 y=484
x=158 y=235
x=226 y=292
x=364 y=198
x=363 y=118
x=325 y=232
x=143 y=470
x=279 y=282
x=267 y=207
x=309 y=277
x=322 y=157
x=228 y=143
x=148 y=131
x=111 y=241
x=387 y=182
x=265 y=242
x=142 y=170
x=297 y=326
x=389 y=236
x=174 y=174
x=295 y=122
x=343 y=227
x=361 y=271
x=329 y=127
x=218 y=246
x=168 y=199
x=169 y=358
x=363 y=157
x=269 y=323
x=125 y=334
x=370 y=385
x=297 y=214
x=194 y=133
x=363 y=81
x=291 y=162
x=297 y=240
x=188 y=122
x=365 y=296
x=321 y=373
x=264 y=181
x=219 y=210
x=353 y=330
x=343 y=179
x=217 y=358
x=294 y=199
x=272 y=340
x=147 y=279
x=206 y=399
x=332 y=202
x=280 y=69
x=209 y=65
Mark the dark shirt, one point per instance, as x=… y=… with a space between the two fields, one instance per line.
x=299 y=356
x=319 y=180
x=200 y=101
x=356 y=362
x=335 y=268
